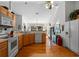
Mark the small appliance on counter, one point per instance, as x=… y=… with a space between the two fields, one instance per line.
x=11 y=34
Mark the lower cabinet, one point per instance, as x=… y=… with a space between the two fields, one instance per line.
x=29 y=39
x=32 y=38
x=4 y=49
x=20 y=41
x=43 y=37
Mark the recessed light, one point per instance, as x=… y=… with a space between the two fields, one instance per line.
x=36 y=13
x=25 y=3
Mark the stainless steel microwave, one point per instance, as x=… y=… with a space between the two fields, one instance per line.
x=4 y=20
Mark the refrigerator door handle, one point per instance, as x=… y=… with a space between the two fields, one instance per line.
x=66 y=33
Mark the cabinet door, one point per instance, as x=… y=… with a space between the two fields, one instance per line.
x=26 y=39
x=43 y=37
x=4 y=49
x=32 y=38
x=10 y=15
x=3 y=11
x=20 y=42
x=4 y=52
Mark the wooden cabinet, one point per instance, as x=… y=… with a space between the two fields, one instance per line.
x=14 y=17
x=43 y=37
x=4 y=49
x=32 y=38
x=20 y=41
x=26 y=40
x=8 y=14
x=3 y=11
x=29 y=39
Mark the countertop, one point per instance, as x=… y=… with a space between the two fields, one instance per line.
x=36 y=32
x=3 y=40
x=19 y=33
x=28 y=32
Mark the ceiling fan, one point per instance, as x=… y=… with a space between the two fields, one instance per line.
x=49 y=4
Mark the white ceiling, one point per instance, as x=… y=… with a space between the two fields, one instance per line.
x=29 y=10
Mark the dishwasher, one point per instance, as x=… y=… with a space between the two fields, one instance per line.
x=38 y=37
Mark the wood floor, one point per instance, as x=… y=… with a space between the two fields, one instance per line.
x=40 y=50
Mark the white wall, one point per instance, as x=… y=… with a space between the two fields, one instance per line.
x=69 y=7
x=4 y=3
x=58 y=12
x=62 y=10
x=76 y=4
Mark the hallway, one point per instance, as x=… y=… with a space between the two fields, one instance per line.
x=40 y=50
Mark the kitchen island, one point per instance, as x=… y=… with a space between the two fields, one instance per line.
x=36 y=37
x=31 y=37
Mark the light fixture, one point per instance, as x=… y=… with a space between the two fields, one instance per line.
x=36 y=13
x=25 y=3
x=49 y=4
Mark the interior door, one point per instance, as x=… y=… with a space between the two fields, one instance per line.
x=67 y=34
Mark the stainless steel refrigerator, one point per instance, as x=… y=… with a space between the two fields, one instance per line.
x=71 y=35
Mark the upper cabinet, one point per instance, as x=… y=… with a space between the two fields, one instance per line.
x=14 y=20
x=7 y=18
x=10 y=15
x=3 y=11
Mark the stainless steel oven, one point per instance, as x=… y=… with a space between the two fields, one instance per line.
x=12 y=46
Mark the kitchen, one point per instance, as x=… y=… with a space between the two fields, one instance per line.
x=13 y=36
x=27 y=28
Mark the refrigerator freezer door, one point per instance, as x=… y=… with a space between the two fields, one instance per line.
x=74 y=39
x=66 y=35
